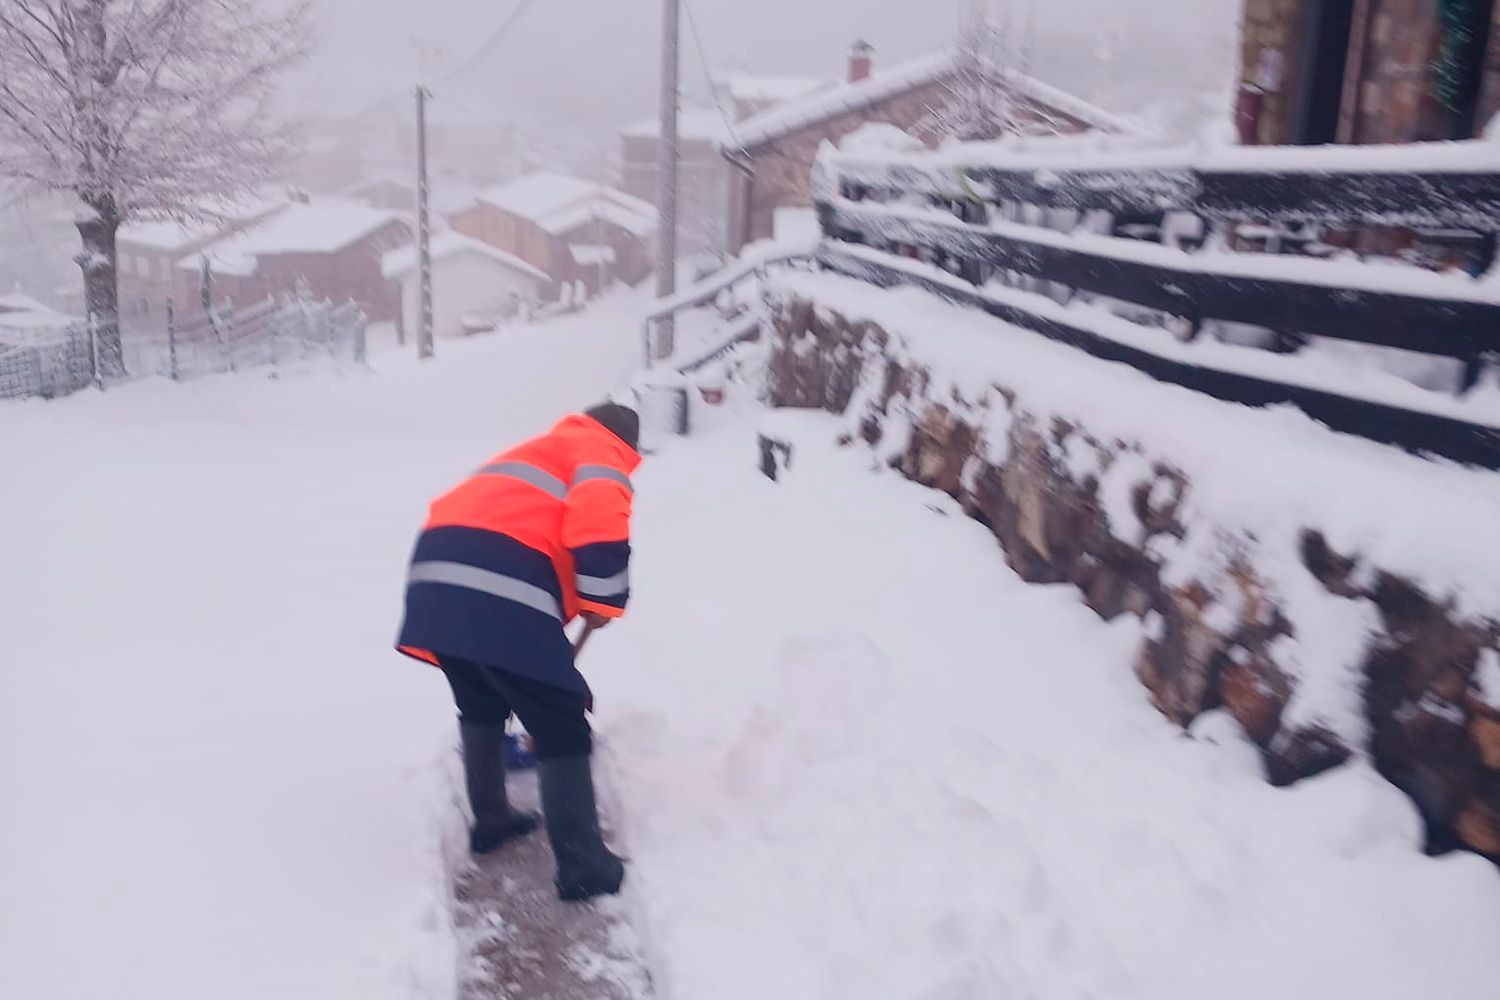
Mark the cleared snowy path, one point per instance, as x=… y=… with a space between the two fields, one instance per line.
x=862 y=759
x=216 y=778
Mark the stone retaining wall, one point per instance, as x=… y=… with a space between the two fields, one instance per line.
x=1211 y=639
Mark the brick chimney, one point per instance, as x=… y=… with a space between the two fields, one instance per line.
x=859 y=61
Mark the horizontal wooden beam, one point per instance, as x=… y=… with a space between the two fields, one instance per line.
x=1416 y=431
x=1171 y=281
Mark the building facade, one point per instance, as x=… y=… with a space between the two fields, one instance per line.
x=474 y=285
x=773 y=152
x=574 y=231
x=1367 y=71
x=327 y=248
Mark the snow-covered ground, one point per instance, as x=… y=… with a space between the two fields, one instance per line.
x=861 y=758
x=215 y=776
x=858 y=756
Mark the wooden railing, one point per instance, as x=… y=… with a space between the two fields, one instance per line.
x=1053 y=244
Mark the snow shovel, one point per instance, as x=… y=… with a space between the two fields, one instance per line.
x=583 y=637
x=518 y=750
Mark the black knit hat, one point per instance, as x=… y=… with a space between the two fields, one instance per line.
x=623 y=422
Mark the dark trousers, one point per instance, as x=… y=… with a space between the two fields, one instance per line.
x=554 y=716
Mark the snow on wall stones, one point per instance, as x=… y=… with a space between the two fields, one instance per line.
x=1317 y=653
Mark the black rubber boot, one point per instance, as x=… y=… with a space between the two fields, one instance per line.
x=585 y=867
x=495 y=823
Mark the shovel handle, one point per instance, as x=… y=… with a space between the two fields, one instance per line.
x=583 y=637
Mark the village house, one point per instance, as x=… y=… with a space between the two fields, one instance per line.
x=149 y=250
x=703 y=174
x=575 y=231
x=773 y=152
x=329 y=248
x=474 y=285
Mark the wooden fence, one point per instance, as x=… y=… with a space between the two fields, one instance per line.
x=1028 y=241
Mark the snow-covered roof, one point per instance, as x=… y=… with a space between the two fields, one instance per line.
x=537 y=195
x=754 y=89
x=638 y=219
x=168 y=234
x=704 y=124
x=15 y=302
x=451 y=243
x=559 y=203
x=321 y=226
x=448 y=194
x=36 y=323
x=881 y=86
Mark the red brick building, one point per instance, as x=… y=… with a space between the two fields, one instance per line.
x=149 y=250
x=328 y=247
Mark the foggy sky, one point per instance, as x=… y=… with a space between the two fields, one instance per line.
x=592 y=64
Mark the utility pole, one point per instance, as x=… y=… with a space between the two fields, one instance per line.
x=666 y=178
x=424 y=232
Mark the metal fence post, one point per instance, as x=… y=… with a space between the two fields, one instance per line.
x=94 y=375
x=171 y=341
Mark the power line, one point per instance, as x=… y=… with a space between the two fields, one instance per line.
x=708 y=73
x=489 y=43
x=495 y=38
x=549 y=148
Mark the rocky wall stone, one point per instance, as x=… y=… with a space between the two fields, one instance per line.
x=1209 y=643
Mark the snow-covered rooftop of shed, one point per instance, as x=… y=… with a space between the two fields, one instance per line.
x=703 y=124
x=34 y=325
x=560 y=203
x=880 y=86
x=323 y=225
x=448 y=244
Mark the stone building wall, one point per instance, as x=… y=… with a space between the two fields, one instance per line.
x=1389 y=87
x=1211 y=640
x=782 y=168
x=1269 y=66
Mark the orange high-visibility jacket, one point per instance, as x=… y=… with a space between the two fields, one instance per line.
x=517 y=550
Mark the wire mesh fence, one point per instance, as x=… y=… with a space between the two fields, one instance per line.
x=272 y=333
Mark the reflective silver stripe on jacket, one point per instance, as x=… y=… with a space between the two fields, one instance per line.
x=527 y=473
x=587 y=473
x=473 y=578
x=604 y=586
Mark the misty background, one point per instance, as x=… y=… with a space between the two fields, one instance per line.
x=571 y=73
x=592 y=64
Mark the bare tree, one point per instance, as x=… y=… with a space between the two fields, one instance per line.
x=158 y=107
x=979 y=96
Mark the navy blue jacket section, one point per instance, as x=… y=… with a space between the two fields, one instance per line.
x=603 y=561
x=456 y=621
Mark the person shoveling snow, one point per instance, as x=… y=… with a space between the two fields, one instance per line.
x=538 y=536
